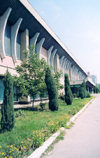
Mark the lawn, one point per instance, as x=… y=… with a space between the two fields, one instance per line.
x=34 y=127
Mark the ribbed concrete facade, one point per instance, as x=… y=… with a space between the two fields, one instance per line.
x=21 y=27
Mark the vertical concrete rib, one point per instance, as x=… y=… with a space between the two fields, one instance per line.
x=33 y=40
x=52 y=57
x=3 y=23
x=39 y=46
x=14 y=33
x=24 y=43
x=49 y=54
x=61 y=61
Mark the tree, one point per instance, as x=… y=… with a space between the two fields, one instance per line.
x=32 y=74
x=52 y=90
x=7 y=108
x=82 y=90
x=68 y=92
x=57 y=76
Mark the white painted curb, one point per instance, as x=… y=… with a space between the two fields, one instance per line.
x=39 y=151
x=76 y=115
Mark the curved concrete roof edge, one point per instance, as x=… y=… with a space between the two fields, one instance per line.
x=49 y=30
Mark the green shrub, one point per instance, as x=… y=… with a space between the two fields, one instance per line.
x=87 y=94
x=68 y=92
x=62 y=97
x=42 y=106
x=82 y=90
x=7 y=108
x=52 y=90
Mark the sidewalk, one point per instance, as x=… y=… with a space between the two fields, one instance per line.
x=83 y=139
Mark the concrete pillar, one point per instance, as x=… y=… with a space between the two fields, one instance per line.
x=33 y=40
x=52 y=58
x=24 y=43
x=70 y=72
x=39 y=46
x=3 y=23
x=56 y=63
x=49 y=54
x=14 y=33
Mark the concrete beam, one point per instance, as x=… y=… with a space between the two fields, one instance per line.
x=14 y=33
x=49 y=54
x=3 y=23
x=39 y=47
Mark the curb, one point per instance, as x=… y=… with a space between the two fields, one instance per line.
x=72 y=119
x=39 y=151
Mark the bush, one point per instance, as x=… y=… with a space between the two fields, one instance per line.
x=87 y=94
x=62 y=97
x=7 y=109
x=68 y=92
x=82 y=90
x=52 y=90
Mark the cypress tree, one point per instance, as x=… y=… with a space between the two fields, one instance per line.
x=52 y=90
x=68 y=92
x=82 y=91
x=7 y=108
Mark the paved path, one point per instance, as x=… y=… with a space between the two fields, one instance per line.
x=83 y=139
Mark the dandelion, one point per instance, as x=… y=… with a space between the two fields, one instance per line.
x=0 y=146
x=3 y=153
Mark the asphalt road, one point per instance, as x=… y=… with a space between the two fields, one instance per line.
x=83 y=139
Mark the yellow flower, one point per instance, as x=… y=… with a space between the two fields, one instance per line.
x=21 y=141
x=5 y=156
x=0 y=146
x=3 y=153
x=10 y=157
x=11 y=146
x=24 y=147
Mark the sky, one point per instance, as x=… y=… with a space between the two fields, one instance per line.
x=77 y=24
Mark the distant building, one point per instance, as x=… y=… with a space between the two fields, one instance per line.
x=94 y=79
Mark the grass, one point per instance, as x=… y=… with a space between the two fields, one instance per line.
x=27 y=120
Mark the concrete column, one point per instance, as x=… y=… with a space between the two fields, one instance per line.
x=56 y=63
x=3 y=23
x=33 y=40
x=49 y=54
x=70 y=72
x=24 y=43
x=39 y=46
x=14 y=33
x=52 y=58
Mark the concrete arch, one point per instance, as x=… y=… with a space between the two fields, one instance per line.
x=39 y=46
x=3 y=23
x=49 y=54
x=33 y=40
x=61 y=60
x=14 y=33
x=52 y=57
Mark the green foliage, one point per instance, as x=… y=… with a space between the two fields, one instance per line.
x=7 y=108
x=20 y=144
x=68 y=92
x=57 y=77
x=96 y=89
x=32 y=75
x=52 y=90
x=82 y=90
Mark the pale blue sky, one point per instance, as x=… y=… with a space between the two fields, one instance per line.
x=77 y=24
